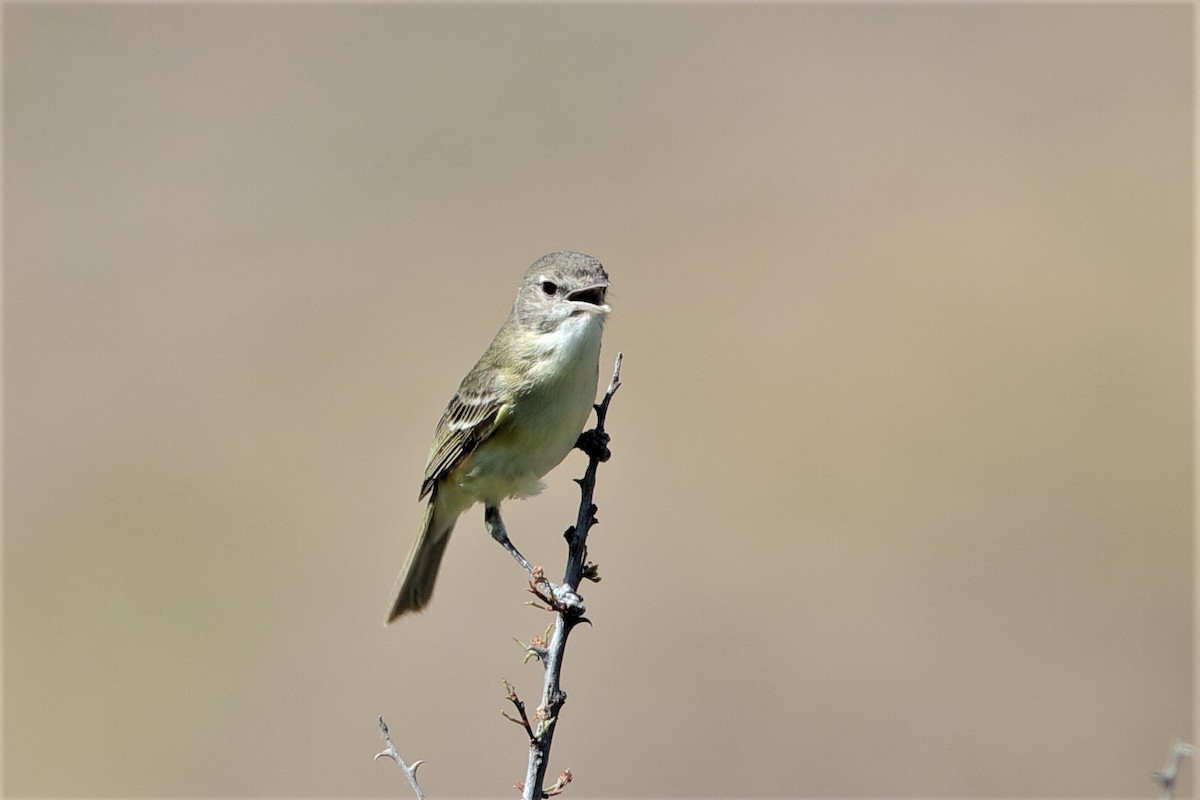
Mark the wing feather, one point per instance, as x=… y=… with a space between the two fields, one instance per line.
x=469 y=419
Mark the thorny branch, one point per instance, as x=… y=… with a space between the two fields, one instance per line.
x=391 y=752
x=549 y=648
x=568 y=606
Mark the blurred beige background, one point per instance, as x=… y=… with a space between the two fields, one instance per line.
x=901 y=496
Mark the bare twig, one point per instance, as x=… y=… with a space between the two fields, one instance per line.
x=564 y=778
x=1166 y=779
x=567 y=604
x=520 y=705
x=392 y=753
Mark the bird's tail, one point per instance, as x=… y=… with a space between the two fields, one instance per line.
x=414 y=587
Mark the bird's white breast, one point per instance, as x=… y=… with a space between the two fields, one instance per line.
x=546 y=416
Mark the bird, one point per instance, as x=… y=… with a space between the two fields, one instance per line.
x=516 y=414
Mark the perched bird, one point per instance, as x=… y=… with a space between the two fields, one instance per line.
x=515 y=416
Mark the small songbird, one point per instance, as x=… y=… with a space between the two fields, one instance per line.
x=515 y=416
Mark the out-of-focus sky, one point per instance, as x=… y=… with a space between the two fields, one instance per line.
x=900 y=501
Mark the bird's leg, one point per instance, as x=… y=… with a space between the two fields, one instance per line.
x=495 y=526
x=562 y=598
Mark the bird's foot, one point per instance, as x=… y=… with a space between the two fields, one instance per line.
x=560 y=598
x=595 y=444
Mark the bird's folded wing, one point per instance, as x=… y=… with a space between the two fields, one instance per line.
x=471 y=416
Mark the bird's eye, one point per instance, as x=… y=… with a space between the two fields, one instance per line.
x=549 y=287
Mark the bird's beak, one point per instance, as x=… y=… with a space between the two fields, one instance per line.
x=592 y=296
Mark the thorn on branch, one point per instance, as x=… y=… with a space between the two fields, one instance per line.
x=591 y=515
x=391 y=752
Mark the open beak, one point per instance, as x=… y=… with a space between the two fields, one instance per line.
x=593 y=296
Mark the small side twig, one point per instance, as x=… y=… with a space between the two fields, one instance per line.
x=564 y=778
x=391 y=752
x=1166 y=779
x=537 y=645
x=520 y=706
